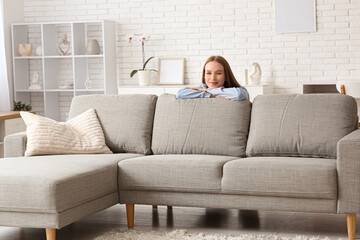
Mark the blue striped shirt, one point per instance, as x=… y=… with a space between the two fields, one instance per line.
x=234 y=93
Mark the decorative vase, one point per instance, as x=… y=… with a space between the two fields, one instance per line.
x=144 y=77
x=87 y=83
x=93 y=47
x=38 y=51
x=25 y=49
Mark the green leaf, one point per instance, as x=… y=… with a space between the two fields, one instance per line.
x=133 y=73
x=147 y=62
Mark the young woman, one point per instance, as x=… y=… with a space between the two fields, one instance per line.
x=218 y=81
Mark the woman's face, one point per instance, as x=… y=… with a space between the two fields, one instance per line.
x=214 y=75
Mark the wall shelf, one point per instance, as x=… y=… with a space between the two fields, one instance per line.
x=173 y=89
x=55 y=70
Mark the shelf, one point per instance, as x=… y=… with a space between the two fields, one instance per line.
x=90 y=90
x=89 y=56
x=59 y=90
x=54 y=70
x=156 y=86
x=253 y=90
x=66 y=56
x=29 y=57
x=29 y=90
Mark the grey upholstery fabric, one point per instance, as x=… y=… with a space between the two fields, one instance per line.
x=229 y=201
x=15 y=144
x=52 y=184
x=57 y=220
x=127 y=120
x=200 y=126
x=281 y=177
x=307 y=125
x=348 y=167
x=178 y=173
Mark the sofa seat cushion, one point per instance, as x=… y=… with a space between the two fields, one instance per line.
x=308 y=125
x=54 y=183
x=176 y=173
x=281 y=177
x=200 y=126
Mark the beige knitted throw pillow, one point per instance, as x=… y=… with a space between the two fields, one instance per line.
x=81 y=134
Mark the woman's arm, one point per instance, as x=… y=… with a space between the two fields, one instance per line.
x=186 y=93
x=234 y=93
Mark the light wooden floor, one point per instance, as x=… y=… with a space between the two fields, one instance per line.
x=194 y=220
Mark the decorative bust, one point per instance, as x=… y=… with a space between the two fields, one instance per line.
x=64 y=46
x=34 y=83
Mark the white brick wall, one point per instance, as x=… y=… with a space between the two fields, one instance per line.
x=243 y=31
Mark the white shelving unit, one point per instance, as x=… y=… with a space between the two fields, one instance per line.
x=55 y=70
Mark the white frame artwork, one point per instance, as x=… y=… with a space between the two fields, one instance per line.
x=295 y=16
x=171 y=71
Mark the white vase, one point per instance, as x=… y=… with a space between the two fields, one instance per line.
x=93 y=47
x=144 y=77
x=38 y=51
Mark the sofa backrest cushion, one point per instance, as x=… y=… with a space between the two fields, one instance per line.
x=200 y=126
x=126 y=120
x=307 y=125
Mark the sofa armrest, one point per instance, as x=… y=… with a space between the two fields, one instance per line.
x=15 y=144
x=348 y=170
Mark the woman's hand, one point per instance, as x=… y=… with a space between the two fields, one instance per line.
x=198 y=89
x=213 y=96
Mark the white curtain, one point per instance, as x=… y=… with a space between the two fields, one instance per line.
x=4 y=84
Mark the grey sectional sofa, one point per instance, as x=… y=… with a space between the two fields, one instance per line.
x=283 y=152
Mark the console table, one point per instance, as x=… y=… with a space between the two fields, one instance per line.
x=173 y=89
x=12 y=128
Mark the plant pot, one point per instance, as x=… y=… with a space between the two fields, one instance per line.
x=25 y=49
x=144 y=77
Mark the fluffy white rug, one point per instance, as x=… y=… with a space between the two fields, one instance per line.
x=125 y=234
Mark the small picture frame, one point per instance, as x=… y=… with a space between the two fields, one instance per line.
x=171 y=71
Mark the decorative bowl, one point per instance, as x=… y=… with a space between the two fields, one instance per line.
x=25 y=49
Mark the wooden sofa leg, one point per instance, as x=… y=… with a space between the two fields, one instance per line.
x=351 y=225
x=169 y=207
x=130 y=215
x=154 y=206
x=50 y=234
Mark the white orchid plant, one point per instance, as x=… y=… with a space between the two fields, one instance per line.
x=141 y=38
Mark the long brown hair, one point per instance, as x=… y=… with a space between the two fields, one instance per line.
x=230 y=80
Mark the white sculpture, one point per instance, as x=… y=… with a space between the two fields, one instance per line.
x=64 y=46
x=34 y=83
x=255 y=76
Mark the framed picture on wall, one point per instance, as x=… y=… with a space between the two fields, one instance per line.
x=171 y=71
x=295 y=16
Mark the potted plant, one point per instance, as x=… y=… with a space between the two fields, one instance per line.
x=143 y=73
x=19 y=106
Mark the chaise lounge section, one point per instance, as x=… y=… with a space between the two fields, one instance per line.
x=282 y=153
